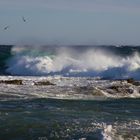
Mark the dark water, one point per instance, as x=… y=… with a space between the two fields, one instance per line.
x=5 y=54
x=68 y=119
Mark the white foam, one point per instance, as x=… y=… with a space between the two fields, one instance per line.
x=30 y=61
x=107 y=132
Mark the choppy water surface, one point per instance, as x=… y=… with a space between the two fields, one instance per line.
x=70 y=119
x=97 y=99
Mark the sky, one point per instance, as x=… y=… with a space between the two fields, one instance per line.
x=96 y=22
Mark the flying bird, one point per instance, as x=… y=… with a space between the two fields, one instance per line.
x=6 y=27
x=24 y=20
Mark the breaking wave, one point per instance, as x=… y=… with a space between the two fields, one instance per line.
x=106 y=62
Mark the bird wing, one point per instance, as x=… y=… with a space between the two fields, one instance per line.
x=23 y=19
x=5 y=28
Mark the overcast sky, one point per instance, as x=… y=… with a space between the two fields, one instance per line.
x=70 y=21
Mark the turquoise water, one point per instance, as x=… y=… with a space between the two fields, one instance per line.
x=68 y=119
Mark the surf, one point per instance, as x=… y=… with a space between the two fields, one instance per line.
x=108 y=62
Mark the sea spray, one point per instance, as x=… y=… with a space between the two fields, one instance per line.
x=73 y=61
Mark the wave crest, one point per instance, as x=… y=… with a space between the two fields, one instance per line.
x=70 y=61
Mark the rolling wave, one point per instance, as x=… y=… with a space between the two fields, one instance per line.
x=104 y=61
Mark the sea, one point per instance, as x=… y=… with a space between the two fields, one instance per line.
x=73 y=92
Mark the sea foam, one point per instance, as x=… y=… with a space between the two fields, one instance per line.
x=69 y=61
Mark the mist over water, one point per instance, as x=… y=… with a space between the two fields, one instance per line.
x=106 y=62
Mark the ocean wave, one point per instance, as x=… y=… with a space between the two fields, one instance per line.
x=74 y=61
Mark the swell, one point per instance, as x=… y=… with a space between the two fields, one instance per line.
x=5 y=54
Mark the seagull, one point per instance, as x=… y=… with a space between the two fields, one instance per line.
x=6 y=27
x=24 y=20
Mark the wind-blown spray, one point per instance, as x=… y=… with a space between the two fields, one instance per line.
x=72 y=61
